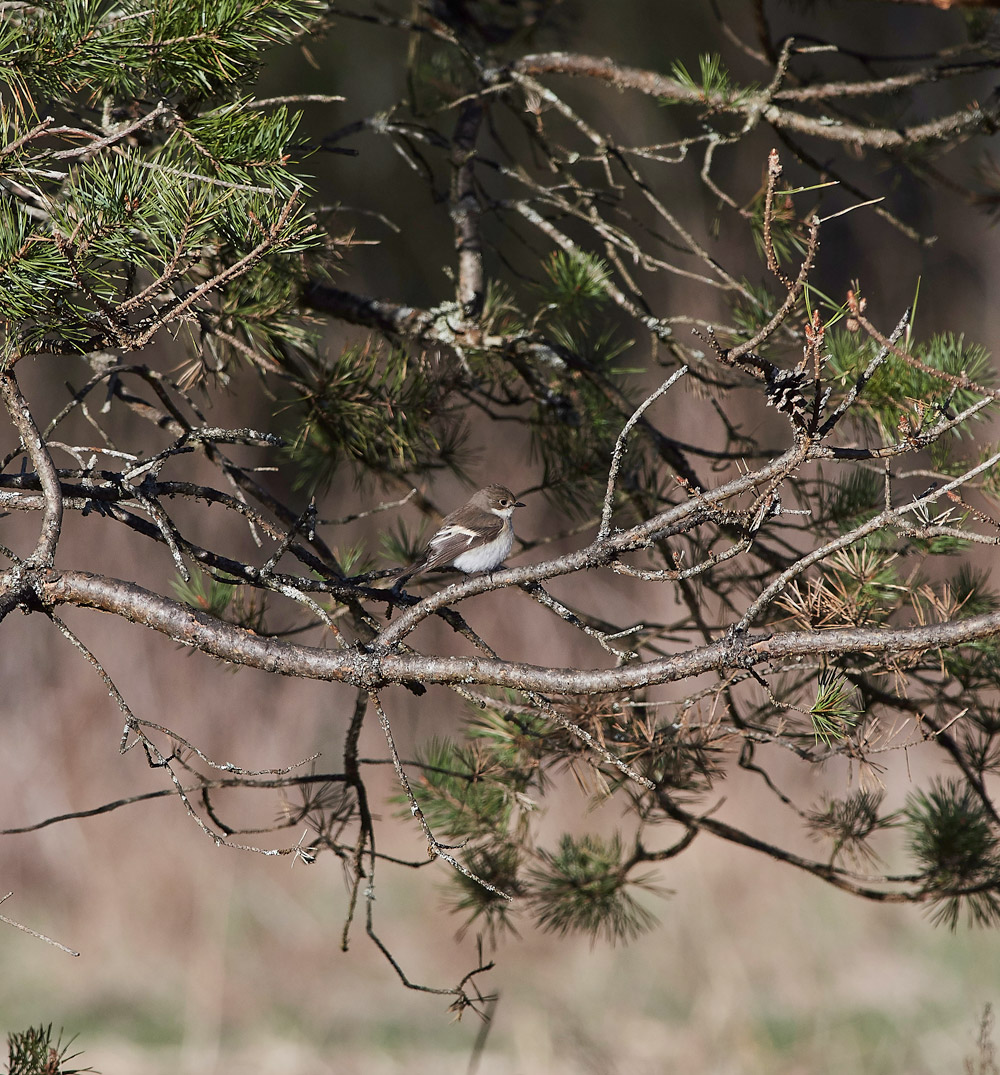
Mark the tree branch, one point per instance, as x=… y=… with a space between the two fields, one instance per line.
x=373 y=667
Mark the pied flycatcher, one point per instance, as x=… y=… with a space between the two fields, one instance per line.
x=475 y=537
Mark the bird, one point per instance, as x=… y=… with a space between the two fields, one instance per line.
x=478 y=536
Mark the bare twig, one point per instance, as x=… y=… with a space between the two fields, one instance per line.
x=619 y=453
x=34 y=933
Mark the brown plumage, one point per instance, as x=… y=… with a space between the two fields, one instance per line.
x=478 y=536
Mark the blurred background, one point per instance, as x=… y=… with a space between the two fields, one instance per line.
x=198 y=959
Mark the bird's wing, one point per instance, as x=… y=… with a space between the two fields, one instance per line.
x=453 y=539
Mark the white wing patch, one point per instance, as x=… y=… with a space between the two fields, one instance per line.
x=447 y=533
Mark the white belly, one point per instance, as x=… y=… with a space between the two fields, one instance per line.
x=486 y=557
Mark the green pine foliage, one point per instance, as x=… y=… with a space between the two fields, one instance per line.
x=575 y=423
x=855 y=499
x=956 y=846
x=583 y=887
x=901 y=392
x=786 y=230
x=483 y=795
x=573 y=448
x=835 y=711
x=206 y=593
x=470 y=792
x=154 y=227
x=214 y=595
x=33 y=1052
x=973 y=592
x=479 y=794
x=981 y=744
x=753 y=308
x=484 y=906
x=714 y=82
x=576 y=285
x=866 y=579
x=976 y=666
x=33 y=274
x=136 y=50
x=850 y=823
x=378 y=410
x=686 y=764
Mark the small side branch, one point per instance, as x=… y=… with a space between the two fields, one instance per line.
x=34 y=933
x=434 y=846
x=619 y=453
x=41 y=460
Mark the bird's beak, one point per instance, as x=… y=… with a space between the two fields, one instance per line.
x=518 y=504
